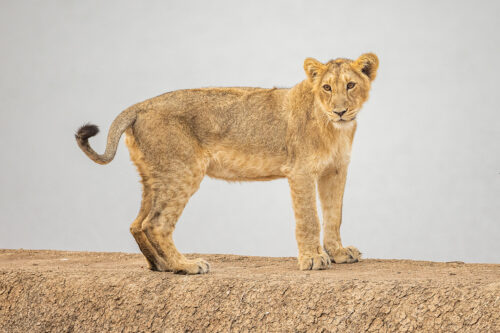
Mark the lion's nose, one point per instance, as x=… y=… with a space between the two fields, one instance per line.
x=341 y=113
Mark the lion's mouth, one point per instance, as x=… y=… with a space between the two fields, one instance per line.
x=341 y=120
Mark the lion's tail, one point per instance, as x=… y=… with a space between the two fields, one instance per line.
x=119 y=125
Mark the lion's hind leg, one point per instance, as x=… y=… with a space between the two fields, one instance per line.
x=176 y=167
x=155 y=262
x=171 y=192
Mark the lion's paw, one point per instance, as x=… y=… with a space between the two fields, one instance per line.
x=195 y=266
x=342 y=255
x=314 y=261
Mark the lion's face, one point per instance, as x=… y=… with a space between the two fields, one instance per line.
x=341 y=86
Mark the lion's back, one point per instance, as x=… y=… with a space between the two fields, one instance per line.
x=235 y=116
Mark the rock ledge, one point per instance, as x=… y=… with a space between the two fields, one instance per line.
x=60 y=291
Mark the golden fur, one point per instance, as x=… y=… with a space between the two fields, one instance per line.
x=303 y=133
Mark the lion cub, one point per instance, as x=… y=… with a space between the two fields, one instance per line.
x=303 y=133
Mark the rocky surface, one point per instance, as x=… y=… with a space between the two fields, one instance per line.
x=55 y=291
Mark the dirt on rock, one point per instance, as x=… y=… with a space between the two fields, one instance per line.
x=56 y=291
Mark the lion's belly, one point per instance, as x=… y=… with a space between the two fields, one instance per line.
x=236 y=166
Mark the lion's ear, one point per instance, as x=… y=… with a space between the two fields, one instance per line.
x=367 y=64
x=313 y=68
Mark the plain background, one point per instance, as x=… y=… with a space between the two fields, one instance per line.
x=424 y=180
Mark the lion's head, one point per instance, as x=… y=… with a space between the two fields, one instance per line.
x=341 y=86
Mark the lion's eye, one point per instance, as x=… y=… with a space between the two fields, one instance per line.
x=327 y=87
x=350 y=85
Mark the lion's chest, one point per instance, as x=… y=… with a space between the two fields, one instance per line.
x=329 y=154
x=334 y=158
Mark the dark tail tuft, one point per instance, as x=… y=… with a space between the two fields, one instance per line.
x=86 y=131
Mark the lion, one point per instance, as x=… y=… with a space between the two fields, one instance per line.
x=303 y=133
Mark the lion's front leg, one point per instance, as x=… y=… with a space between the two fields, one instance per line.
x=307 y=229
x=331 y=192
